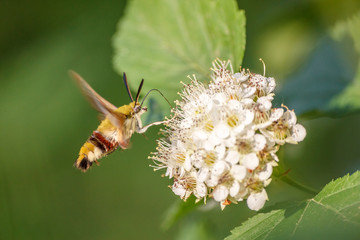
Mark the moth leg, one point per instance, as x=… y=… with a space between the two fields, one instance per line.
x=143 y=129
x=140 y=129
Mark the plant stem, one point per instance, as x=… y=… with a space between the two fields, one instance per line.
x=298 y=185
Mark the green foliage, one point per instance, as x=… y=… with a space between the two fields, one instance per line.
x=332 y=214
x=177 y=211
x=328 y=84
x=350 y=97
x=195 y=228
x=164 y=41
x=315 y=86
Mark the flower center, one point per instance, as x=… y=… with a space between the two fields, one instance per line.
x=233 y=120
x=180 y=158
x=210 y=158
x=209 y=126
x=255 y=185
x=281 y=131
x=190 y=183
x=199 y=110
x=243 y=146
x=260 y=117
x=226 y=179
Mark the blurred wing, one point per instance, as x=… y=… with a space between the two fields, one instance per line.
x=98 y=102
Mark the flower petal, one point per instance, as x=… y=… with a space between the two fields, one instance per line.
x=235 y=188
x=178 y=189
x=232 y=157
x=201 y=189
x=219 y=99
x=222 y=131
x=219 y=168
x=259 y=142
x=239 y=172
x=266 y=173
x=298 y=133
x=256 y=201
x=251 y=161
x=220 y=193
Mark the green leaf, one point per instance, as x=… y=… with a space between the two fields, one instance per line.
x=329 y=84
x=195 y=228
x=178 y=210
x=325 y=75
x=350 y=97
x=164 y=41
x=332 y=214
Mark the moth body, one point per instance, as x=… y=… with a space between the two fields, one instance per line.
x=115 y=130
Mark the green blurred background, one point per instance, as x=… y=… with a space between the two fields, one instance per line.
x=45 y=120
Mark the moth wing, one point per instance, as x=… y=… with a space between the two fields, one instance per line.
x=101 y=117
x=99 y=103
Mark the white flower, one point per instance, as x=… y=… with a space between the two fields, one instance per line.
x=257 y=200
x=219 y=99
x=234 y=189
x=222 y=131
x=250 y=161
x=238 y=172
x=178 y=189
x=298 y=133
x=219 y=168
x=224 y=136
x=233 y=157
x=220 y=193
x=201 y=190
x=266 y=173
x=285 y=130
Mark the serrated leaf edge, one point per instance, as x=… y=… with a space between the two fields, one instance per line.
x=333 y=183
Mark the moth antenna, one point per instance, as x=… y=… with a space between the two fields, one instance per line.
x=127 y=86
x=155 y=89
x=139 y=90
x=260 y=59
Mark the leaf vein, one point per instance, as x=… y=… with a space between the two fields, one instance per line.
x=335 y=211
x=275 y=225
x=349 y=206
x=263 y=220
x=300 y=218
x=333 y=193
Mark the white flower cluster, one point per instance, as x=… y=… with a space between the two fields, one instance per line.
x=223 y=138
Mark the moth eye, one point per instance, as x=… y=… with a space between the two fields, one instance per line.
x=145 y=109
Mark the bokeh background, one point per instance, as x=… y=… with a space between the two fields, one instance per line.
x=45 y=119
